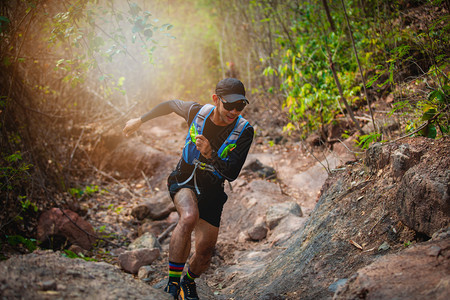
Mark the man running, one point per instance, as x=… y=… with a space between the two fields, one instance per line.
x=217 y=144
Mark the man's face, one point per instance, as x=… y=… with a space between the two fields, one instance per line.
x=228 y=116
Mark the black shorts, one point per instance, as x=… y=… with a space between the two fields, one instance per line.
x=210 y=200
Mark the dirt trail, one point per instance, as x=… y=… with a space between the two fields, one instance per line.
x=249 y=199
x=299 y=178
x=305 y=250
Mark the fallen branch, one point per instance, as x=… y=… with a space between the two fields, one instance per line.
x=146 y=180
x=166 y=232
x=356 y=244
x=310 y=152
x=75 y=148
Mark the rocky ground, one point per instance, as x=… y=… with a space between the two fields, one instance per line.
x=297 y=233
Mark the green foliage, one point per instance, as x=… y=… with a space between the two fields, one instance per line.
x=427 y=113
x=4 y=22
x=100 y=33
x=70 y=254
x=312 y=95
x=117 y=210
x=15 y=240
x=385 y=49
x=87 y=191
x=13 y=172
x=27 y=204
x=101 y=229
x=367 y=139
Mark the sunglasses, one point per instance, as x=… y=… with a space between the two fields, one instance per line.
x=238 y=105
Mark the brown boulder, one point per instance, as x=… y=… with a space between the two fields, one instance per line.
x=424 y=196
x=67 y=224
x=131 y=261
x=420 y=272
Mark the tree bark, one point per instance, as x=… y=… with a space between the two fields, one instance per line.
x=327 y=11
x=359 y=66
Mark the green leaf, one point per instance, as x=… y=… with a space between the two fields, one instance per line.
x=429 y=131
x=166 y=26
x=134 y=9
x=139 y=25
x=432 y=132
x=70 y=254
x=119 y=83
x=148 y=33
x=14 y=240
x=436 y=94
x=429 y=114
x=14 y=157
x=6 y=61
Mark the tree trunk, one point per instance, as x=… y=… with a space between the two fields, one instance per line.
x=327 y=11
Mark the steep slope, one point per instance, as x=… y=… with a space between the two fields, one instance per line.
x=365 y=212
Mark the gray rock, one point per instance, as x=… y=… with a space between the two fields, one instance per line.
x=259 y=168
x=383 y=247
x=319 y=253
x=277 y=212
x=286 y=228
x=49 y=275
x=257 y=232
x=146 y=272
x=337 y=284
x=401 y=160
x=147 y=240
x=49 y=285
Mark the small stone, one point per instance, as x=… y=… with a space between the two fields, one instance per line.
x=49 y=285
x=337 y=284
x=243 y=237
x=145 y=272
x=258 y=232
x=383 y=247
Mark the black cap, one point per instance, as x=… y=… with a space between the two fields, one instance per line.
x=231 y=89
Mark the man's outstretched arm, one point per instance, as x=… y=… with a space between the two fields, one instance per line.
x=179 y=107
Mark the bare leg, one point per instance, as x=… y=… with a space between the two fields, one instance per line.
x=180 y=243
x=205 y=241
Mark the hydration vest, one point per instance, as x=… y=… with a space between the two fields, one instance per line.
x=190 y=152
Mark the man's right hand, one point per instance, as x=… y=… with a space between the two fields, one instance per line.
x=131 y=126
